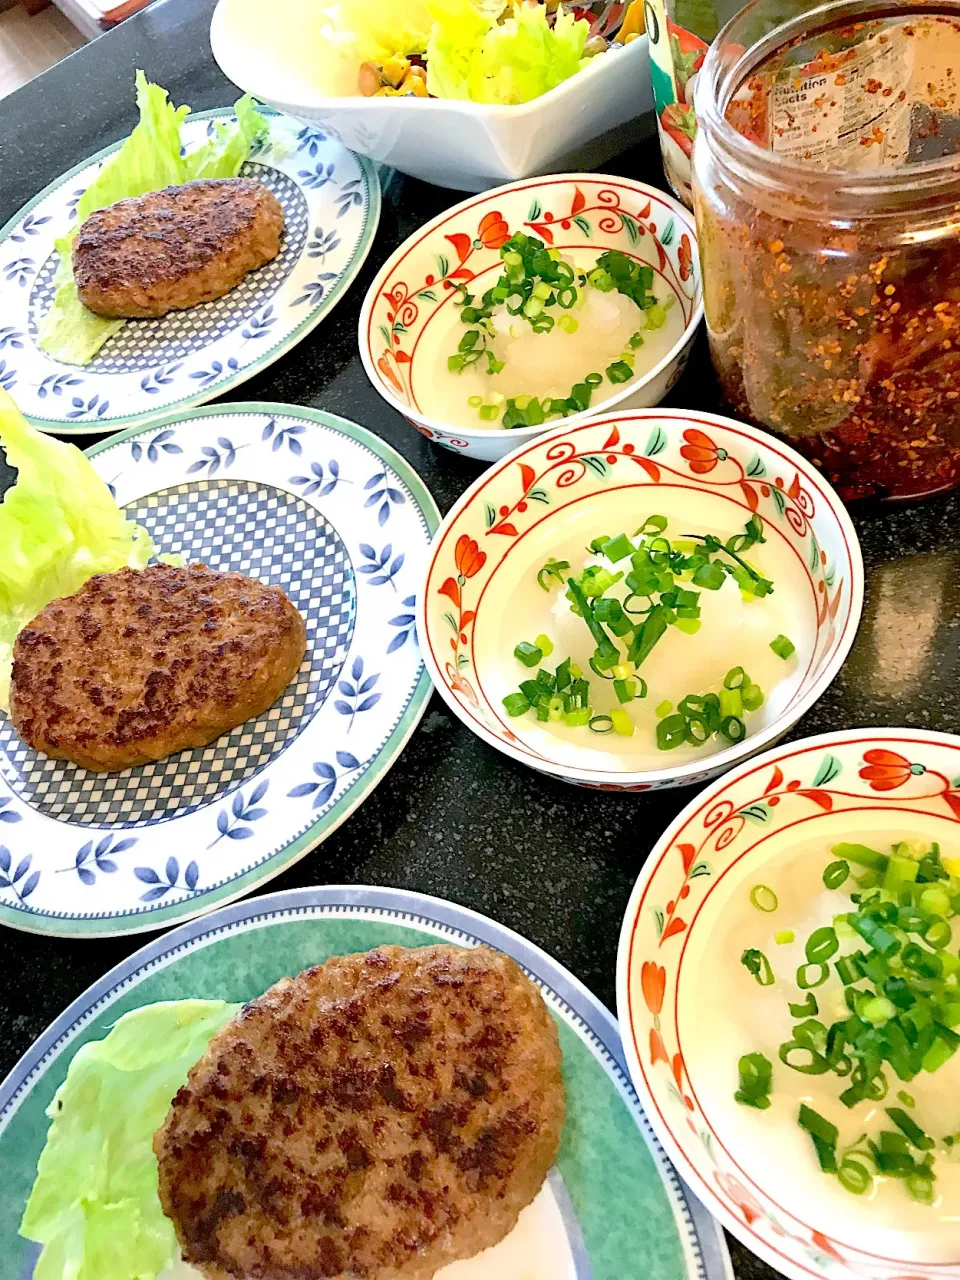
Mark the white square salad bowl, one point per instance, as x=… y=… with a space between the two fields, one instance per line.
x=588 y=118
x=756 y=1169
x=417 y=289
x=556 y=493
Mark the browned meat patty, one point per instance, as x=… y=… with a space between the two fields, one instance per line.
x=144 y=662
x=175 y=248
x=376 y=1118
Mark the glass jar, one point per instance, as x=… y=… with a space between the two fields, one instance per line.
x=827 y=193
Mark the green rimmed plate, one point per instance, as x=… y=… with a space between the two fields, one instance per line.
x=611 y=1201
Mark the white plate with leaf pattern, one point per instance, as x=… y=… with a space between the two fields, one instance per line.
x=325 y=510
x=331 y=201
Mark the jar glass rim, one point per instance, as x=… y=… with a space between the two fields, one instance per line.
x=728 y=64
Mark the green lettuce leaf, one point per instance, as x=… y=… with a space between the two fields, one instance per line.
x=380 y=29
x=149 y=160
x=59 y=525
x=95 y=1205
x=470 y=55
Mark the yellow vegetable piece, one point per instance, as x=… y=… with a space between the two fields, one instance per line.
x=632 y=23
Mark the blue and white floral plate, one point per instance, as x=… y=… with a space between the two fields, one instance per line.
x=323 y=509
x=331 y=199
x=612 y=1206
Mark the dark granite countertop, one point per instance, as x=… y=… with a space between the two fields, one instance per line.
x=454 y=818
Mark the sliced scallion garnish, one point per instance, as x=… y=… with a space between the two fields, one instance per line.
x=783 y=647
x=756 y=1080
x=763 y=898
x=756 y=963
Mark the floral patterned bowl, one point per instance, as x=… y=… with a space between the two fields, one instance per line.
x=419 y=284
x=575 y=482
x=871 y=785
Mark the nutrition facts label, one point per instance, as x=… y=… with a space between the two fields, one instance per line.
x=848 y=110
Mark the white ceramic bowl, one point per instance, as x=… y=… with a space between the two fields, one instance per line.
x=607 y=474
x=594 y=115
x=417 y=286
x=874 y=786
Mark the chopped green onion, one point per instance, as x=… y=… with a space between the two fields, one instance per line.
x=848 y=971
x=812 y=1063
x=733 y=729
x=919 y=1187
x=622 y=723
x=618 y=548
x=516 y=704
x=709 y=575
x=810 y=975
x=529 y=654
x=783 y=647
x=601 y=724
x=817 y=1125
x=619 y=371
x=821 y=945
x=752 y=697
x=731 y=703
x=854 y=1177
x=899 y=873
x=876 y=1010
x=907 y=1099
x=553 y=569
x=861 y=855
x=784 y=936
x=756 y=963
x=663 y=709
x=934 y=900
x=939 y=934
x=671 y=732
x=875 y=934
x=909 y=1127
x=625 y=690
x=808 y=1009
x=544 y=644
x=577 y=717
x=763 y=898
x=836 y=874
x=735 y=678
x=652 y=526
x=756 y=1079
x=475 y=402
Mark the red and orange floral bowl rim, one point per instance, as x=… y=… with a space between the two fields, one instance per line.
x=649 y=446
x=798 y=785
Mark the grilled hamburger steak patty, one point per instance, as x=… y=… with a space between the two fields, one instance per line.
x=175 y=248
x=377 y=1117
x=140 y=663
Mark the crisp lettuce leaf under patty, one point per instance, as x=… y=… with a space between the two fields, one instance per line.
x=59 y=525
x=95 y=1206
x=149 y=160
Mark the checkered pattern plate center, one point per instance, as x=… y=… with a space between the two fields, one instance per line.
x=149 y=368
x=228 y=525
x=145 y=344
